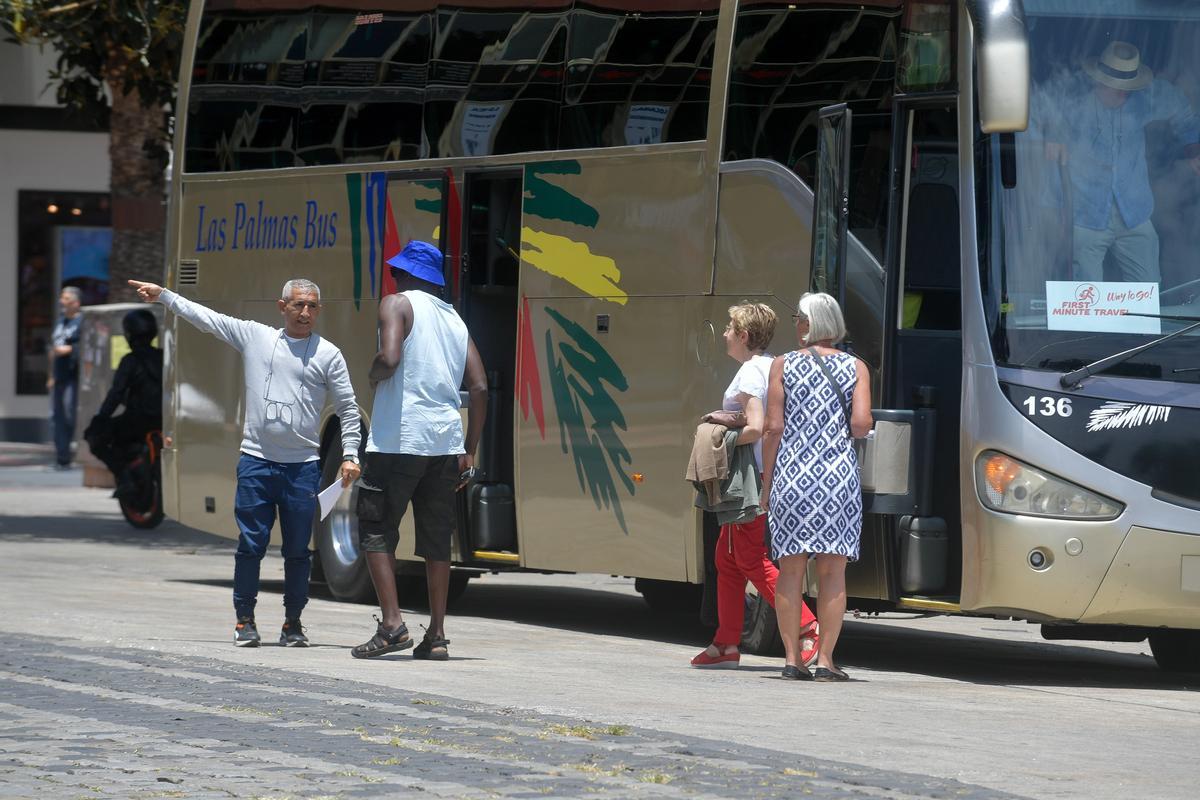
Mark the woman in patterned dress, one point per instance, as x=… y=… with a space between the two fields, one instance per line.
x=810 y=482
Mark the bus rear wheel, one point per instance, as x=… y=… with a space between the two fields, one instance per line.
x=343 y=565
x=1176 y=650
x=760 y=629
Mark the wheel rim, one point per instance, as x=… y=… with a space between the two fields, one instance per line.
x=342 y=526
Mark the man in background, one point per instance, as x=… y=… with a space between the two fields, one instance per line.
x=63 y=381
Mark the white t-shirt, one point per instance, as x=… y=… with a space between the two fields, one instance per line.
x=750 y=379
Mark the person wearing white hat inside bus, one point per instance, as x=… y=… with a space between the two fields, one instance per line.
x=1099 y=132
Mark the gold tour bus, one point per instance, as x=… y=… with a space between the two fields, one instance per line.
x=606 y=177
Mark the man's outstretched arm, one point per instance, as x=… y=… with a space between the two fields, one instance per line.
x=231 y=330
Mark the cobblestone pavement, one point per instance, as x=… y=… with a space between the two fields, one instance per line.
x=97 y=721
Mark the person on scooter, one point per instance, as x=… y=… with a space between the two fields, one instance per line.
x=137 y=388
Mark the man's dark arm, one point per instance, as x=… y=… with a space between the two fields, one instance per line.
x=476 y=382
x=395 y=321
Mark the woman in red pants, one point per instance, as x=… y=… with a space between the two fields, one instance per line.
x=741 y=553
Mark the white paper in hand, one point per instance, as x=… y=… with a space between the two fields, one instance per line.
x=329 y=497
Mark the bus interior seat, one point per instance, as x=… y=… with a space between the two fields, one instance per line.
x=932 y=280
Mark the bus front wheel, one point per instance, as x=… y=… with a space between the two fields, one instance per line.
x=1176 y=650
x=342 y=564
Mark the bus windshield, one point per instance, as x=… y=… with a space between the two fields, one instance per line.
x=1098 y=247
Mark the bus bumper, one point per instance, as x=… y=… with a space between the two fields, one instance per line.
x=1096 y=572
x=1154 y=580
x=1104 y=572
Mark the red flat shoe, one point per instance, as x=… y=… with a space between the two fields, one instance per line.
x=725 y=661
x=810 y=640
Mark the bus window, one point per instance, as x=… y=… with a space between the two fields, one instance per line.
x=638 y=78
x=932 y=275
x=366 y=86
x=927 y=46
x=790 y=60
x=495 y=81
x=243 y=108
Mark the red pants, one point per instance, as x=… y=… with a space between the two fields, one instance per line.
x=742 y=556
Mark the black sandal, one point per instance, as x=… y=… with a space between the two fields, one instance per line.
x=431 y=649
x=829 y=675
x=383 y=642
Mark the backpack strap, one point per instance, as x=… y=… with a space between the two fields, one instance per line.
x=828 y=373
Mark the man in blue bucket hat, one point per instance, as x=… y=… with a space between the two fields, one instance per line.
x=416 y=449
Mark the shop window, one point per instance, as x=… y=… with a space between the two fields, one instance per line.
x=63 y=239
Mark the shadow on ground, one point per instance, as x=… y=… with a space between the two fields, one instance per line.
x=865 y=644
x=107 y=528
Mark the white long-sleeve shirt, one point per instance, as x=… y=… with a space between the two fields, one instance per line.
x=286 y=384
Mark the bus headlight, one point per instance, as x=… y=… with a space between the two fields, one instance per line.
x=1011 y=486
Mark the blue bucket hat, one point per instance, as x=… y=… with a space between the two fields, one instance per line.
x=421 y=260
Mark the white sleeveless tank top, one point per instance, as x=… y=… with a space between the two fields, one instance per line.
x=416 y=411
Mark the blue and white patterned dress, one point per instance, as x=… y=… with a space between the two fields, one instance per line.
x=816 y=497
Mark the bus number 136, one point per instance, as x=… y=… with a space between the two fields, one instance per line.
x=1047 y=406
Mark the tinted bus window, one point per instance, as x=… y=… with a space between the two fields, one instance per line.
x=301 y=83
x=365 y=87
x=638 y=77
x=790 y=60
x=495 y=81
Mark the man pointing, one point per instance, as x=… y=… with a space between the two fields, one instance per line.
x=288 y=373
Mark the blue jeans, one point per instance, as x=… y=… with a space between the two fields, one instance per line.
x=63 y=412
x=264 y=487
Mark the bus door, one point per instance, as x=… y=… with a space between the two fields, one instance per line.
x=489 y=301
x=911 y=545
x=924 y=371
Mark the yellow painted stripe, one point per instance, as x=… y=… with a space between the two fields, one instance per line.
x=930 y=605
x=574 y=262
x=491 y=555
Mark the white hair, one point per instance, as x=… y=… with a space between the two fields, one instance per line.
x=824 y=315
x=74 y=291
x=303 y=285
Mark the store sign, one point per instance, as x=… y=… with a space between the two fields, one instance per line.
x=1102 y=306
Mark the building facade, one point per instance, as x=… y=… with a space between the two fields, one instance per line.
x=54 y=229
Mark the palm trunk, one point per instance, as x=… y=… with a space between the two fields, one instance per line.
x=138 y=191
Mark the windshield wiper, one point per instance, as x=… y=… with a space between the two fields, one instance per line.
x=1071 y=380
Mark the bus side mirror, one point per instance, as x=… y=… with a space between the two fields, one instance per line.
x=1001 y=64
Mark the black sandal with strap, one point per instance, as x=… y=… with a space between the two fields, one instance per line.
x=432 y=649
x=384 y=642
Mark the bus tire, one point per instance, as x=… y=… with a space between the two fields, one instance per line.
x=342 y=564
x=760 y=630
x=1176 y=650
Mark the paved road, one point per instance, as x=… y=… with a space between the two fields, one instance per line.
x=117 y=679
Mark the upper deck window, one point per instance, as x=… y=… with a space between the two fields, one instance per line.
x=281 y=83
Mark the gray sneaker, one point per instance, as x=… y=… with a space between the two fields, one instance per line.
x=292 y=634
x=245 y=633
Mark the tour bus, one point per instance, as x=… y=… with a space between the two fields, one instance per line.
x=606 y=177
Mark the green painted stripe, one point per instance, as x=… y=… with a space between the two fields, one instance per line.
x=354 y=193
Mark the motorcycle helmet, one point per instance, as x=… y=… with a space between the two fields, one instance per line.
x=140 y=327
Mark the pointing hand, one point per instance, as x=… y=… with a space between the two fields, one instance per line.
x=149 y=292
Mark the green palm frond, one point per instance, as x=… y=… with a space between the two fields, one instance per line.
x=589 y=419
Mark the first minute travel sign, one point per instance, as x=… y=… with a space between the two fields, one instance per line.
x=1103 y=306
